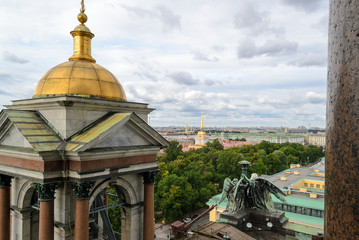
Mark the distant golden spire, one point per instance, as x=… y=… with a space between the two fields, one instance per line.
x=186 y=131
x=82 y=38
x=201 y=120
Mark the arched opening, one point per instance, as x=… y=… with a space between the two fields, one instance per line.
x=106 y=213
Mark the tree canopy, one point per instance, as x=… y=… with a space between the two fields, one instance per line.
x=187 y=180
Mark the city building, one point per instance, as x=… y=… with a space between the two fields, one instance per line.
x=63 y=149
x=315 y=139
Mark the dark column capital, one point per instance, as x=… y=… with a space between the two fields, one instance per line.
x=149 y=177
x=5 y=181
x=46 y=191
x=82 y=190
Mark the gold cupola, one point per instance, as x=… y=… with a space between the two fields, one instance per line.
x=80 y=76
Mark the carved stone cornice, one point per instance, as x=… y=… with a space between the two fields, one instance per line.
x=82 y=190
x=46 y=191
x=149 y=177
x=5 y=181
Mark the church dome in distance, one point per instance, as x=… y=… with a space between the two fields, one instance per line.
x=80 y=76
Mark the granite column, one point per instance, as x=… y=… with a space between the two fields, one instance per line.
x=5 y=207
x=149 y=213
x=342 y=140
x=46 y=193
x=82 y=208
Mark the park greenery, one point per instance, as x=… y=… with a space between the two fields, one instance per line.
x=187 y=180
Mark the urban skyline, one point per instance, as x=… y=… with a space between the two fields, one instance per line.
x=253 y=63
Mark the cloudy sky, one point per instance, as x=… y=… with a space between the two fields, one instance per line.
x=243 y=63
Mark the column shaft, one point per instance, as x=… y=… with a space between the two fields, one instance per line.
x=4 y=213
x=82 y=219
x=46 y=220
x=342 y=141
x=148 y=221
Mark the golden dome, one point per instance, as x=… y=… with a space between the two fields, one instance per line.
x=80 y=76
x=201 y=133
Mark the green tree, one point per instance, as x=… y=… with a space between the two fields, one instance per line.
x=173 y=151
x=228 y=165
x=258 y=167
x=114 y=214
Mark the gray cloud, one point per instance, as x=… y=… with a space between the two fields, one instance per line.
x=309 y=60
x=140 y=12
x=6 y=78
x=280 y=103
x=169 y=19
x=146 y=75
x=306 y=5
x=209 y=82
x=10 y=57
x=197 y=55
x=251 y=19
x=147 y=71
x=5 y=93
x=248 y=49
x=314 y=98
x=183 y=78
x=218 y=48
x=322 y=25
x=249 y=16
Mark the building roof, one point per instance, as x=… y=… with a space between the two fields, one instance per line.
x=212 y=230
x=95 y=130
x=41 y=136
x=299 y=201
x=305 y=219
x=26 y=130
x=303 y=173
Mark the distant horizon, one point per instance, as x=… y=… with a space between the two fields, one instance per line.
x=238 y=127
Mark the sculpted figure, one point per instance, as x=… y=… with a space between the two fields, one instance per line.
x=249 y=193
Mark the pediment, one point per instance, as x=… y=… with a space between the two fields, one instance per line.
x=116 y=130
x=27 y=129
x=14 y=138
x=123 y=137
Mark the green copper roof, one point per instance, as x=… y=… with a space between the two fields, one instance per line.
x=302 y=202
x=301 y=218
x=36 y=131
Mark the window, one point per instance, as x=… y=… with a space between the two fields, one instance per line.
x=305 y=184
x=312 y=185
x=318 y=186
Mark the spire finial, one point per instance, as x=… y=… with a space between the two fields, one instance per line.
x=82 y=10
x=82 y=38
x=82 y=16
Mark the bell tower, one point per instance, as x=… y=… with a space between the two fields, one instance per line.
x=75 y=151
